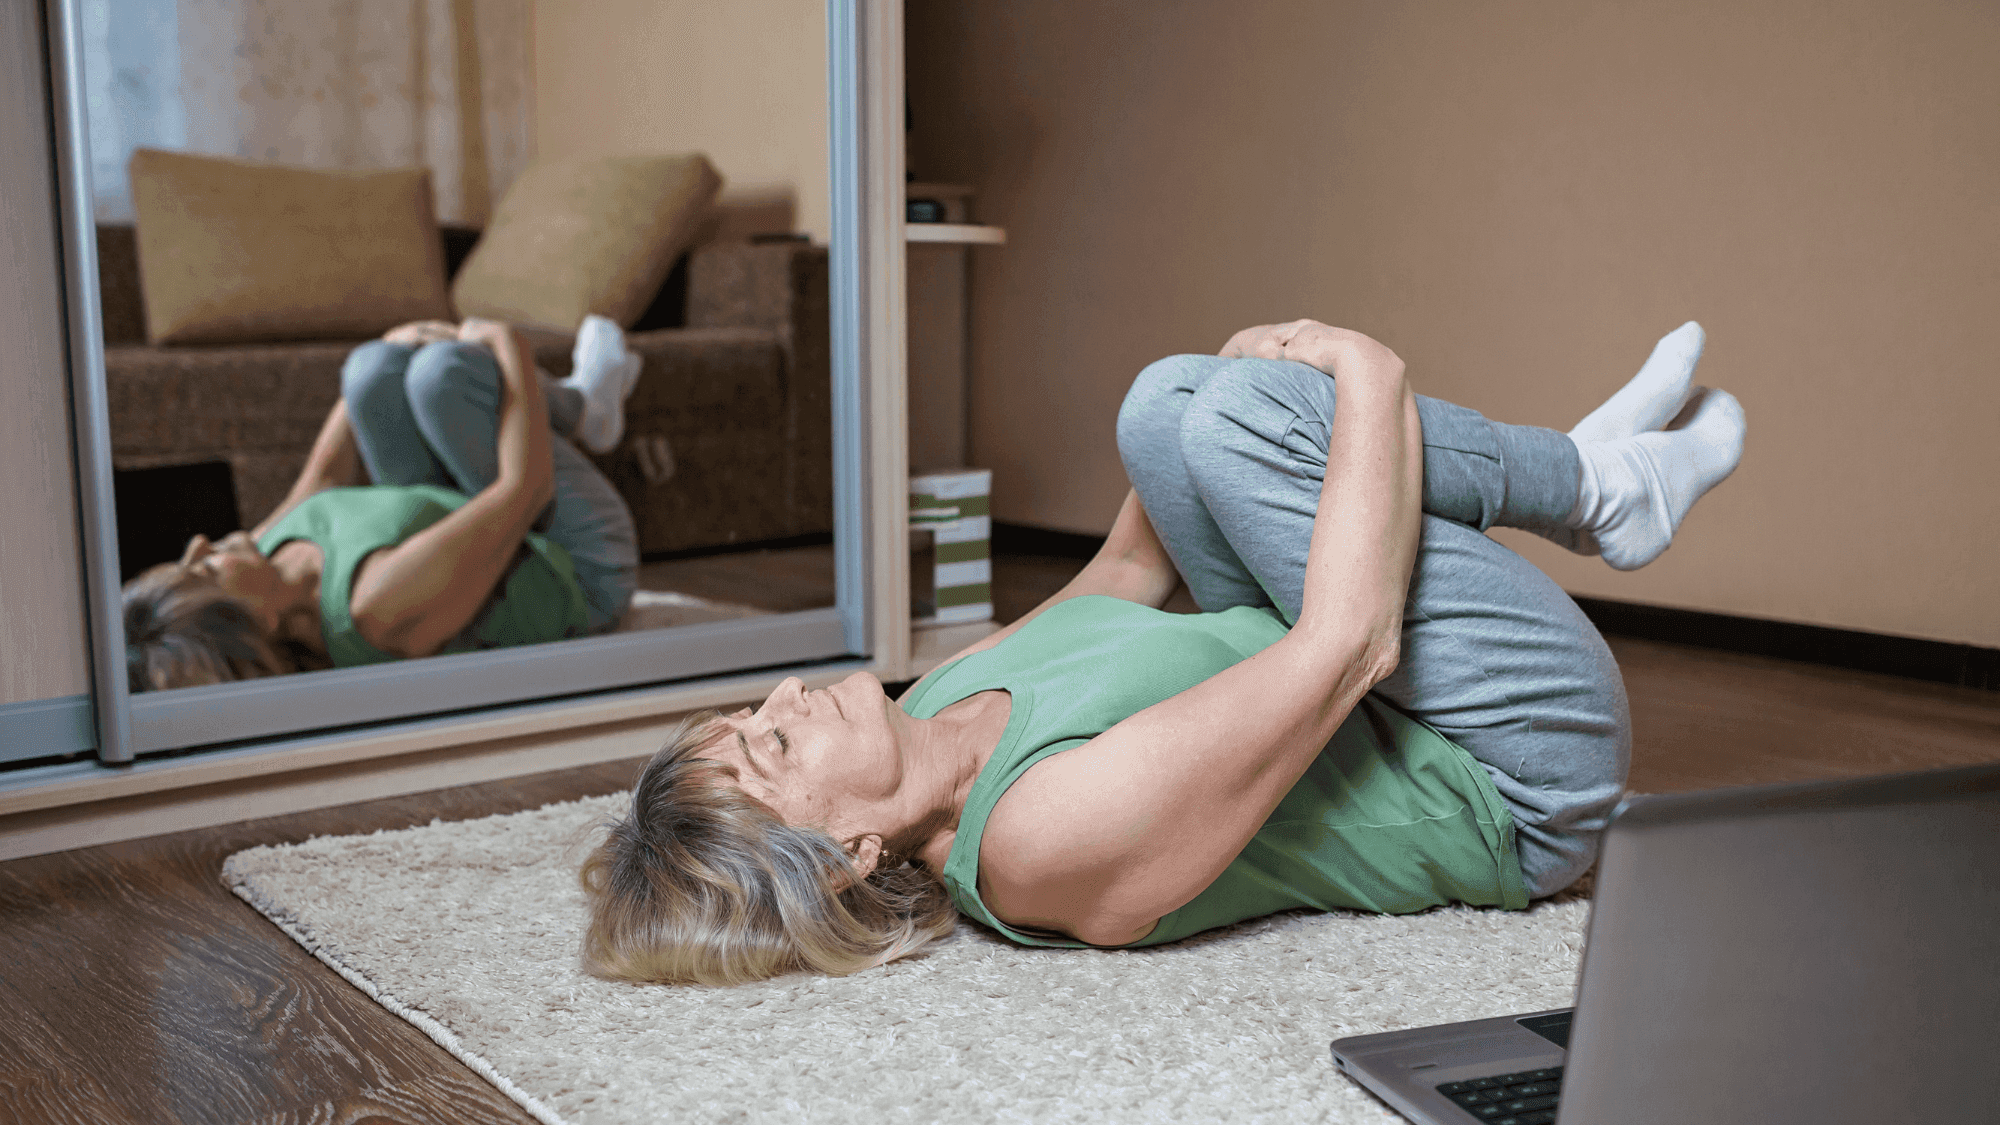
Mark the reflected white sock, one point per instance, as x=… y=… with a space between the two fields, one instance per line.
x=605 y=373
x=1637 y=489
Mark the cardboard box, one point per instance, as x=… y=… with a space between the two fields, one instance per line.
x=951 y=547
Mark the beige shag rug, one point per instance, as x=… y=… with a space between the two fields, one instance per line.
x=469 y=930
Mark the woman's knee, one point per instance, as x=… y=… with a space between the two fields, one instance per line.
x=449 y=372
x=1269 y=412
x=1149 y=419
x=373 y=370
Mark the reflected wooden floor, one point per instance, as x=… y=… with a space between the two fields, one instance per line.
x=136 y=989
x=776 y=580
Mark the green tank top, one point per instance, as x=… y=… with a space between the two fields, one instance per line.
x=538 y=600
x=1391 y=817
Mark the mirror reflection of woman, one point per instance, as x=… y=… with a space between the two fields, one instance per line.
x=1380 y=707
x=442 y=509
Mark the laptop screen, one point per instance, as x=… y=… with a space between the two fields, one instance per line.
x=1819 y=953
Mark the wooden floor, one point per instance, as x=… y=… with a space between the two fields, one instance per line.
x=777 y=579
x=135 y=988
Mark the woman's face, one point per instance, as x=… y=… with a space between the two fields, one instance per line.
x=818 y=758
x=235 y=564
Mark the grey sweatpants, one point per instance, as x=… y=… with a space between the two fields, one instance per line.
x=431 y=415
x=1228 y=456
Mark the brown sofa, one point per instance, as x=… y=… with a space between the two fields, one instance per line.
x=739 y=394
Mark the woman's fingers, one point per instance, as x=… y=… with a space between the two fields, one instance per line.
x=1245 y=342
x=417 y=333
x=1327 y=348
x=479 y=330
x=1312 y=343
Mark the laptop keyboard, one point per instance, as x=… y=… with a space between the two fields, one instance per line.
x=1526 y=1097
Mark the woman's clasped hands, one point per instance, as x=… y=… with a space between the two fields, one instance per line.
x=475 y=330
x=1336 y=351
x=417 y=333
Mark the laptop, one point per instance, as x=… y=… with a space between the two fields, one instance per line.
x=1824 y=953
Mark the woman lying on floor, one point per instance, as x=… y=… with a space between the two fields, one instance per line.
x=1379 y=708
x=483 y=526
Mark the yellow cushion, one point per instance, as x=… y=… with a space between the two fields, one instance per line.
x=235 y=252
x=573 y=237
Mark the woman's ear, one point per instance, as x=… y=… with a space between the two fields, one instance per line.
x=864 y=852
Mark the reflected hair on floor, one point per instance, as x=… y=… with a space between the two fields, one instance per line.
x=182 y=630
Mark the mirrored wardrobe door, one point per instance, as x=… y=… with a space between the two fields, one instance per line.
x=454 y=354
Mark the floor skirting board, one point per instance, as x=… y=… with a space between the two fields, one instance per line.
x=1915 y=658
x=1918 y=659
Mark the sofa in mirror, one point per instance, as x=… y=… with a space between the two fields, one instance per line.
x=338 y=253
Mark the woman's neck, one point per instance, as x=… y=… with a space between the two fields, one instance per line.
x=963 y=738
x=299 y=564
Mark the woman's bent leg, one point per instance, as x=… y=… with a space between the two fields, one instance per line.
x=1476 y=471
x=378 y=408
x=1149 y=442
x=454 y=393
x=1495 y=655
x=1502 y=662
x=593 y=524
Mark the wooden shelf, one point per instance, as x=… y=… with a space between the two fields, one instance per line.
x=954 y=232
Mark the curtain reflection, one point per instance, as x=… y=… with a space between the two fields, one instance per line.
x=332 y=84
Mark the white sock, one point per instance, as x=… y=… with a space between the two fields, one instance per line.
x=605 y=373
x=1637 y=489
x=1648 y=401
x=1654 y=396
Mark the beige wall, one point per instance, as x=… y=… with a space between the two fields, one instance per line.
x=1519 y=198
x=42 y=646
x=742 y=81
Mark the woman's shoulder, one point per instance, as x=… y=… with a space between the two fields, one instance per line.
x=339 y=510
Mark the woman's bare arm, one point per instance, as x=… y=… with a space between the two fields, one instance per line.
x=335 y=462
x=1096 y=842
x=412 y=598
x=1132 y=565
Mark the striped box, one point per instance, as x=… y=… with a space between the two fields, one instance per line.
x=951 y=541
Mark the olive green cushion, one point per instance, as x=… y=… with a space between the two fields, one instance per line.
x=579 y=236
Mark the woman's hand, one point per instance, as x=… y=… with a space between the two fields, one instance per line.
x=417 y=333
x=1252 y=342
x=1340 y=352
x=508 y=345
x=1315 y=345
x=489 y=334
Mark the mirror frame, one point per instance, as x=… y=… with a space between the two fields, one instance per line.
x=865 y=93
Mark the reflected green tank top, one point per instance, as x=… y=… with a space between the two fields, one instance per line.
x=538 y=600
x=1391 y=817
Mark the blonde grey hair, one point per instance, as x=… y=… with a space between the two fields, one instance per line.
x=182 y=630
x=703 y=884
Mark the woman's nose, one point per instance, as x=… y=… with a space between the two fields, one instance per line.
x=788 y=696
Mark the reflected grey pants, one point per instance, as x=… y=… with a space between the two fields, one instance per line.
x=431 y=415
x=1228 y=456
